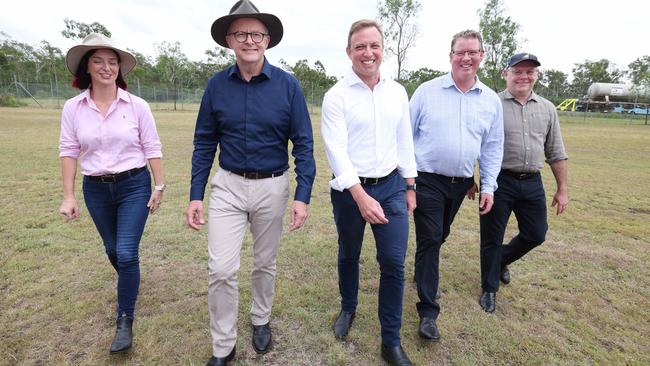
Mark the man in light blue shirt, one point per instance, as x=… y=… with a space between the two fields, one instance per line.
x=456 y=120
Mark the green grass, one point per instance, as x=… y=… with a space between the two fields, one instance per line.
x=581 y=298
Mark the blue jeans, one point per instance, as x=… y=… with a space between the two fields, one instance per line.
x=119 y=211
x=391 y=242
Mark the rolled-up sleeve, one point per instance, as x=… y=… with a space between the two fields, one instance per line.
x=68 y=143
x=151 y=145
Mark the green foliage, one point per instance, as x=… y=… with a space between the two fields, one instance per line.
x=400 y=29
x=7 y=100
x=588 y=72
x=553 y=84
x=413 y=79
x=499 y=33
x=78 y=30
x=314 y=81
x=639 y=71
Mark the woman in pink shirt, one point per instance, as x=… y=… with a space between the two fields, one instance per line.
x=113 y=134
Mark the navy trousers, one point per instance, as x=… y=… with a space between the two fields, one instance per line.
x=526 y=198
x=119 y=211
x=391 y=241
x=438 y=201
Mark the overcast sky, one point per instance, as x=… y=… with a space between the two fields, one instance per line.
x=560 y=32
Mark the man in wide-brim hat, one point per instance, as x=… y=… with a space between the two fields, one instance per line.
x=249 y=111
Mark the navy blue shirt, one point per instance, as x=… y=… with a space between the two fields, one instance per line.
x=252 y=123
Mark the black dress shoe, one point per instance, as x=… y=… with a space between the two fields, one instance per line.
x=428 y=330
x=342 y=324
x=123 y=335
x=262 y=338
x=488 y=301
x=505 y=275
x=395 y=356
x=221 y=361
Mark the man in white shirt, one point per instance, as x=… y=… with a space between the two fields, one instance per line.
x=366 y=128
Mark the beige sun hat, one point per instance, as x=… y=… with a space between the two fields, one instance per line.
x=95 y=41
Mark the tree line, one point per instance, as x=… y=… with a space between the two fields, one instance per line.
x=45 y=63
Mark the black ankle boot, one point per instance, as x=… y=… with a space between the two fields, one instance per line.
x=123 y=335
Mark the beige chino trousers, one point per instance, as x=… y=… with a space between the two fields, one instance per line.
x=235 y=203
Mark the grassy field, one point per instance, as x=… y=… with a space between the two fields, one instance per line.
x=581 y=298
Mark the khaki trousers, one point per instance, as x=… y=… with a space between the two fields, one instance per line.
x=236 y=202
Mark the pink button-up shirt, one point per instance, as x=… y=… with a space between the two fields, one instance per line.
x=124 y=139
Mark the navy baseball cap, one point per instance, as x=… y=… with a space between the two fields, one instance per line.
x=521 y=57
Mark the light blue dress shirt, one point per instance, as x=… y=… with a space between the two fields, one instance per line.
x=452 y=130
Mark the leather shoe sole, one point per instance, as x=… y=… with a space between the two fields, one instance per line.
x=428 y=330
x=221 y=361
x=262 y=338
x=342 y=324
x=488 y=301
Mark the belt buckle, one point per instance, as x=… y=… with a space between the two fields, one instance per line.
x=107 y=179
x=455 y=180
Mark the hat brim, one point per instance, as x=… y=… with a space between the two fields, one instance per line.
x=537 y=63
x=272 y=23
x=74 y=55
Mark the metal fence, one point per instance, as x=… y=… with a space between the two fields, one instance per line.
x=56 y=93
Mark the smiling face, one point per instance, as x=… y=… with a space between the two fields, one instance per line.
x=248 y=53
x=103 y=67
x=464 y=66
x=521 y=78
x=366 y=50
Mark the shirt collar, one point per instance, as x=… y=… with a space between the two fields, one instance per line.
x=533 y=96
x=121 y=94
x=352 y=78
x=448 y=82
x=266 y=70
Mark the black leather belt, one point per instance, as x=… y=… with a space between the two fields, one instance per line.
x=520 y=176
x=373 y=181
x=117 y=177
x=257 y=175
x=452 y=180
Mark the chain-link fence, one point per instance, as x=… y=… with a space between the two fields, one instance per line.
x=160 y=96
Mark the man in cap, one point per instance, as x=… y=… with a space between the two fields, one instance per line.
x=456 y=120
x=532 y=135
x=369 y=145
x=250 y=111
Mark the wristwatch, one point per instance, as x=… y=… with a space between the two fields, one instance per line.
x=160 y=188
x=411 y=187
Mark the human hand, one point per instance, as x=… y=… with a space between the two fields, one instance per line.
x=298 y=215
x=194 y=214
x=69 y=208
x=485 y=203
x=155 y=200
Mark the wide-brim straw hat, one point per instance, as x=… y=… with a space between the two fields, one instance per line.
x=246 y=9
x=95 y=41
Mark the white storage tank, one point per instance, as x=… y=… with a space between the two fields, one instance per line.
x=618 y=92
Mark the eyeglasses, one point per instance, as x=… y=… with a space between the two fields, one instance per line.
x=472 y=53
x=241 y=37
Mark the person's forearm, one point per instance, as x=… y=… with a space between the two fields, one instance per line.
x=157 y=171
x=559 y=169
x=68 y=172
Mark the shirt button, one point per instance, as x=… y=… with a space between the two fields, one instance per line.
x=525 y=133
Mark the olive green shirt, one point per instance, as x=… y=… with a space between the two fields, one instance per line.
x=532 y=134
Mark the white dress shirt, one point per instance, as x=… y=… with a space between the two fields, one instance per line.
x=367 y=133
